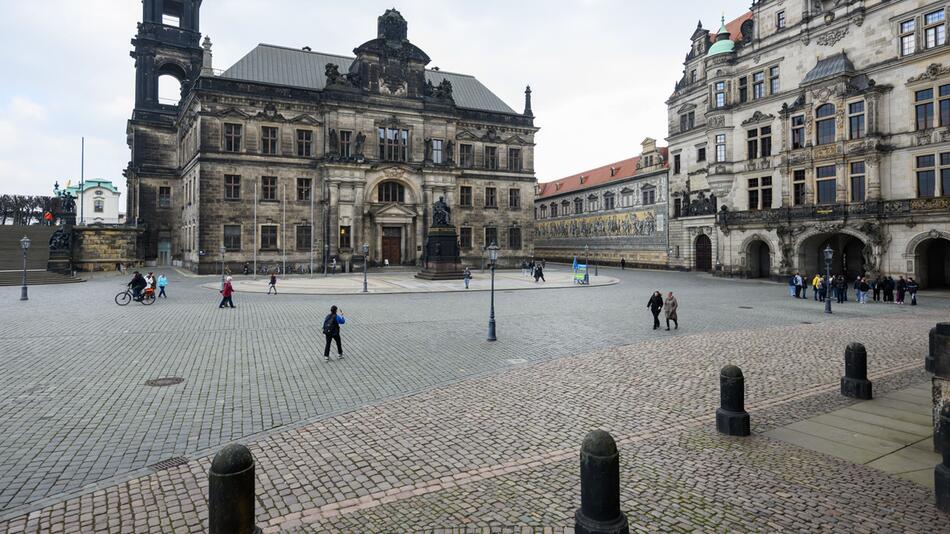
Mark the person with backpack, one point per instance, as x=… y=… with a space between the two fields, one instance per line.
x=331 y=329
x=273 y=283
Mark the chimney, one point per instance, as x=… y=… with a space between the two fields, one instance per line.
x=206 y=69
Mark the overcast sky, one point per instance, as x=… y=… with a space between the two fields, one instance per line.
x=600 y=70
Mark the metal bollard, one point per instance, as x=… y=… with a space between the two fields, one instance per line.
x=942 y=471
x=600 y=487
x=855 y=383
x=231 y=492
x=731 y=417
x=929 y=359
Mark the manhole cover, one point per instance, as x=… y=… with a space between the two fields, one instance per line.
x=168 y=463
x=164 y=381
x=745 y=307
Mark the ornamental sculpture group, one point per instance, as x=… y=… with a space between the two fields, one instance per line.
x=442 y=258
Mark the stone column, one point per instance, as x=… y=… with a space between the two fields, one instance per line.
x=357 y=227
x=334 y=218
x=873 y=176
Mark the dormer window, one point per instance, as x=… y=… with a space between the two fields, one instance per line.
x=582 y=178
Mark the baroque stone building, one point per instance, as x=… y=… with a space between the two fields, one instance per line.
x=617 y=210
x=811 y=124
x=291 y=154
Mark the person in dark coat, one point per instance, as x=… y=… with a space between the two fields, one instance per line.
x=841 y=286
x=669 y=309
x=137 y=284
x=912 y=287
x=623 y=264
x=539 y=272
x=876 y=288
x=901 y=289
x=331 y=329
x=656 y=305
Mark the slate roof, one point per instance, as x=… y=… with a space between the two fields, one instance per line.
x=625 y=169
x=829 y=67
x=302 y=68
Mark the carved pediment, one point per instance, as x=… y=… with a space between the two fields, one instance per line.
x=466 y=135
x=305 y=119
x=491 y=136
x=392 y=210
x=270 y=113
x=232 y=112
x=686 y=108
x=933 y=71
x=758 y=116
x=517 y=140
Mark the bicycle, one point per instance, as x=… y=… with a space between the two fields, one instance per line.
x=125 y=297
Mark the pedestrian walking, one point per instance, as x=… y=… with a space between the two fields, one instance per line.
x=467 y=276
x=791 y=285
x=912 y=287
x=272 y=286
x=841 y=287
x=226 y=291
x=816 y=285
x=162 y=283
x=331 y=330
x=805 y=284
x=876 y=289
x=669 y=309
x=864 y=287
x=539 y=272
x=623 y=264
x=655 y=304
x=901 y=289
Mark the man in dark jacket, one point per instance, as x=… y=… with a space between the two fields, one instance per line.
x=841 y=285
x=331 y=329
x=137 y=285
x=912 y=287
x=656 y=305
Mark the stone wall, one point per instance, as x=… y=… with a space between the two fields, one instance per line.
x=100 y=248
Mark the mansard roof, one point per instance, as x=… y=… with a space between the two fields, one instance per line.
x=829 y=67
x=292 y=67
x=623 y=169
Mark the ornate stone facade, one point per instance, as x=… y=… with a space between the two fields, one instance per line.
x=618 y=211
x=822 y=125
x=290 y=154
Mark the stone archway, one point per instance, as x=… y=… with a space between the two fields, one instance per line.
x=702 y=253
x=932 y=263
x=758 y=256
x=848 y=259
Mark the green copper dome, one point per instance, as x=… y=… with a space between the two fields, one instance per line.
x=723 y=44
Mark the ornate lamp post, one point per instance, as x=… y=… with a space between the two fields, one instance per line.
x=829 y=254
x=25 y=245
x=222 y=250
x=365 y=262
x=492 y=257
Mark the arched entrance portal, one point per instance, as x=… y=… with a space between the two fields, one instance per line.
x=759 y=259
x=703 y=253
x=848 y=256
x=932 y=258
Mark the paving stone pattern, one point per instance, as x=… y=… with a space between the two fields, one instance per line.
x=500 y=451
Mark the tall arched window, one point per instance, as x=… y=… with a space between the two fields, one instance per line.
x=391 y=192
x=825 y=124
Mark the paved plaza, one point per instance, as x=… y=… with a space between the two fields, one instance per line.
x=426 y=426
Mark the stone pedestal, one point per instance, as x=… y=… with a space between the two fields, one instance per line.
x=442 y=255
x=941 y=379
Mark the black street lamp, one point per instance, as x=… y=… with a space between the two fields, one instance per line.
x=326 y=257
x=493 y=258
x=25 y=245
x=829 y=254
x=365 y=262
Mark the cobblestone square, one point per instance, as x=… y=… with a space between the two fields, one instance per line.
x=427 y=427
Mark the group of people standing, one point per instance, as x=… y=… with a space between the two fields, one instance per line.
x=534 y=269
x=836 y=287
x=669 y=307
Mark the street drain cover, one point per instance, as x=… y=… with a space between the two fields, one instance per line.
x=745 y=307
x=168 y=463
x=164 y=381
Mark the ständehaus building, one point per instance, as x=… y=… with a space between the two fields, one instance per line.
x=807 y=124
x=291 y=154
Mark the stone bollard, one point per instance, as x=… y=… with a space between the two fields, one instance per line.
x=231 y=492
x=929 y=359
x=941 y=380
x=600 y=487
x=942 y=471
x=855 y=383
x=731 y=417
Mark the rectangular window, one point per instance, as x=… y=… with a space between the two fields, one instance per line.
x=908 y=37
x=164 y=197
x=758 y=85
x=232 y=137
x=701 y=154
x=773 y=80
x=798 y=132
x=491 y=235
x=825 y=131
x=491 y=200
x=924 y=109
x=826 y=184
x=514 y=238
x=465 y=196
x=268 y=188
x=944 y=105
x=857 y=181
x=765 y=141
x=720 y=148
x=765 y=186
x=608 y=202
x=466 y=156
x=676 y=164
x=935 y=31
x=514 y=159
x=926 y=176
x=743 y=89
x=720 y=94
x=437 y=155
x=592 y=203
x=345 y=237
x=753 y=191
x=393 y=144
x=465 y=237
x=303 y=237
x=305 y=143
x=232 y=237
x=99 y=205
x=514 y=199
x=268 y=140
x=856 y=120
x=780 y=20
x=232 y=187
x=648 y=196
x=753 y=143
x=491 y=157
x=346 y=140
x=303 y=188
x=798 y=187
x=945 y=174
x=269 y=237
x=578 y=205
x=677 y=208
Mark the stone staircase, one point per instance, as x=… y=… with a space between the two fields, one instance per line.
x=37 y=257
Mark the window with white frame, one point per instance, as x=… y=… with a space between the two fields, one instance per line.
x=720 y=148
x=856 y=120
x=908 y=37
x=857 y=181
x=826 y=184
x=780 y=20
x=935 y=29
x=720 y=89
